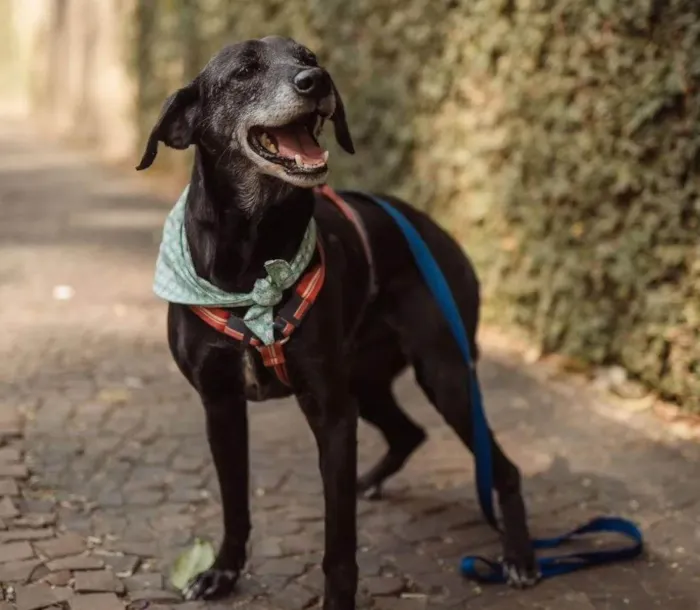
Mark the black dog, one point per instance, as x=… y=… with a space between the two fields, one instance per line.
x=253 y=115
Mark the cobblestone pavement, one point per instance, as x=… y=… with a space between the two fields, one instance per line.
x=105 y=475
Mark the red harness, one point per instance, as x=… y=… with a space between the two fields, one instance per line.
x=293 y=311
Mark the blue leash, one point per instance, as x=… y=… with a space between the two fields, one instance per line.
x=480 y=568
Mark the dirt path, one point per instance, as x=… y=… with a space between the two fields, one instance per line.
x=90 y=401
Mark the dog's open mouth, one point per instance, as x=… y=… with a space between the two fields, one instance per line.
x=294 y=146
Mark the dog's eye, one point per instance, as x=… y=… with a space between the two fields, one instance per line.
x=309 y=57
x=245 y=71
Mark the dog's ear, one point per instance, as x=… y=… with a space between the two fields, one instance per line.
x=176 y=124
x=340 y=124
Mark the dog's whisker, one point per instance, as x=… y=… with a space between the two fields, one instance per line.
x=223 y=152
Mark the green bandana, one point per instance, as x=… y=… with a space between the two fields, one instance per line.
x=176 y=280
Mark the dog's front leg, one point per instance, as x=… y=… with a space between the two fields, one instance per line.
x=332 y=416
x=227 y=432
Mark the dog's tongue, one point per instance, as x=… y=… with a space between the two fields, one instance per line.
x=292 y=141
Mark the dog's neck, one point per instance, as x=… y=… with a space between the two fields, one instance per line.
x=236 y=220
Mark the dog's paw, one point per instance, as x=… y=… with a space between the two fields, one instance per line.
x=368 y=489
x=212 y=584
x=521 y=575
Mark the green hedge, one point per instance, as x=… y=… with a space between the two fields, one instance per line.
x=559 y=139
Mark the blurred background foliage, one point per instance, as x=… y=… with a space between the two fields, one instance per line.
x=559 y=140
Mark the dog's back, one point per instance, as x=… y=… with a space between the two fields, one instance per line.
x=401 y=298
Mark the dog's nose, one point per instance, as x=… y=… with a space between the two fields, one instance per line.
x=313 y=82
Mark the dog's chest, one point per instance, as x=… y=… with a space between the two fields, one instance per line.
x=259 y=381
x=250 y=375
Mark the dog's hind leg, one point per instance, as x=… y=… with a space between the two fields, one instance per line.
x=378 y=407
x=444 y=377
x=445 y=382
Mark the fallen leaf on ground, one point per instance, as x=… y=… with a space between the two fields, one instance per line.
x=195 y=560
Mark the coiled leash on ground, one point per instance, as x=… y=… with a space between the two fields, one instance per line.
x=480 y=568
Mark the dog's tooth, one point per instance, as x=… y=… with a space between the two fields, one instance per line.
x=325 y=156
x=297 y=160
x=267 y=143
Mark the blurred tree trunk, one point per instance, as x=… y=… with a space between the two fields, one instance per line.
x=189 y=21
x=57 y=53
x=147 y=88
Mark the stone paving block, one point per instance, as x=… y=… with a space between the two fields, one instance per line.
x=98 y=581
x=58 y=579
x=97 y=601
x=10 y=454
x=173 y=522
x=187 y=495
x=76 y=562
x=137 y=548
x=369 y=564
x=293 y=597
x=8 y=487
x=40 y=506
x=200 y=606
x=14 y=471
x=188 y=464
x=270 y=548
x=450 y=584
x=10 y=424
x=144 y=581
x=387 y=603
x=15 y=571
x=8 y=510
x=36 y=520
x=273 y=584
x=281 y=567
x=154 y=595
x=62 y=546
x=414 y=563
x=576 y=601
x=40 y=595
x=15 y=535
x=110 y=499
x=315 y=580
x=122 y=565
x=383 y=585
x=144 y=498
x=15 y=551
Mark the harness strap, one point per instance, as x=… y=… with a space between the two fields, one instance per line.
x=354 y=218
x=273 y=357
x=286 y=321
x=292 y=313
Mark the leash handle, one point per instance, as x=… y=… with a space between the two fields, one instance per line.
x=493 y=571
x=488 y=571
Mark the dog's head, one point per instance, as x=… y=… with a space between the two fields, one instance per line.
x=263 y=102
